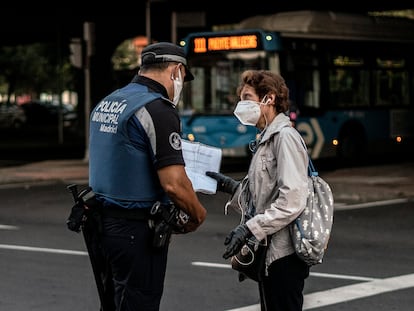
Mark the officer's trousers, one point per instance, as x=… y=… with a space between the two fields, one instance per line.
x=282 y=288
x=138 y=269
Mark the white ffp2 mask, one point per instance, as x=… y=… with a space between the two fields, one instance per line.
x=178 y=87
x=248 y=112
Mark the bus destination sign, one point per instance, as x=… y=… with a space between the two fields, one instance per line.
x=225 y=43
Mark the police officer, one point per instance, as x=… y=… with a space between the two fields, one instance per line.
x=135 y=160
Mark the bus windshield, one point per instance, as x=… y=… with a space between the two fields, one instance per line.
x=214 y=89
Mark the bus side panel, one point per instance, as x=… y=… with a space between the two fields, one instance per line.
x=352 y=134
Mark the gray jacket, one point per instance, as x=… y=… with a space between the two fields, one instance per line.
x=278 y=185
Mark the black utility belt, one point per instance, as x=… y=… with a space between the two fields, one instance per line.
x=127 y=213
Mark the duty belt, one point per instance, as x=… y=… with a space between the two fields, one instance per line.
x=126 y=213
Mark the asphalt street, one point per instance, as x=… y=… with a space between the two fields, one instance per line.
x=368 y=265
x=44 y=266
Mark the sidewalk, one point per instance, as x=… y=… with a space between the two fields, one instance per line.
x=67 y=171
x=349 y=185
x=372 y=183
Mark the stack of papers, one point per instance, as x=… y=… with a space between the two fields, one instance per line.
x=199 y=159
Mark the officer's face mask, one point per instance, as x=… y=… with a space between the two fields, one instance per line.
x=178 y=86
x=248 y=111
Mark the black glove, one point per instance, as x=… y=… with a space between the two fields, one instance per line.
x=236 y=239
x=224 y=183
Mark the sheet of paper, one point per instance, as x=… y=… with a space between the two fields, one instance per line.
x=200 y=158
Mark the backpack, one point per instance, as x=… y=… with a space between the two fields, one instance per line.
x=311 y=231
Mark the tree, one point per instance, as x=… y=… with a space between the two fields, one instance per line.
x=35 y=68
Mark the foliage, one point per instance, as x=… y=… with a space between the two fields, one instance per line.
x=32 y=69
x=125 y=57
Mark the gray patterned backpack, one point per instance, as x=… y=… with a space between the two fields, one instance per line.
x=311 y=231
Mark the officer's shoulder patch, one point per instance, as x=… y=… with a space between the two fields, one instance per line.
x=175 y=141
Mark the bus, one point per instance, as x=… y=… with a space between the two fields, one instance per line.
x=350 y=76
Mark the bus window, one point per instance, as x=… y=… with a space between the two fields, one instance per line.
x=348 y=82
x=349 y=88
x=301 y=67
x=221 y=86
x=194 y=91
x=392 y=83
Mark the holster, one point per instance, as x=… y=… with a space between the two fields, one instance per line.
x=85 y=205
x=76 y=217
x=162 y=234
x=167 y=218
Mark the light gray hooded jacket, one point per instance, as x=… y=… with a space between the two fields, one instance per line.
x=278 y=184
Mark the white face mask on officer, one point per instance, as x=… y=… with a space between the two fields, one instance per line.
x=178 y=87
x=248 y=111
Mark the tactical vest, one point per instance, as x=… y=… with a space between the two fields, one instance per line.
x=117 y=170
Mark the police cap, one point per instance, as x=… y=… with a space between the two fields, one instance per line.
x=165 y=52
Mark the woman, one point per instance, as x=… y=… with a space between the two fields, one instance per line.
x=278 y=188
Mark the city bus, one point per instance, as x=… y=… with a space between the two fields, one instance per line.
x=350 y=76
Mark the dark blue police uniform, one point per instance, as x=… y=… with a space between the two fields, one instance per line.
x=134 y=131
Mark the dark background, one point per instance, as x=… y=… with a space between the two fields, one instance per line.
x=59 y=22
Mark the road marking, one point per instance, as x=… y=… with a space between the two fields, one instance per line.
x=349 y=292
x=42 y=249
x=356 y=291
x=370 y=204
x=210 y=264
x=8 y=227
x=342 y=276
